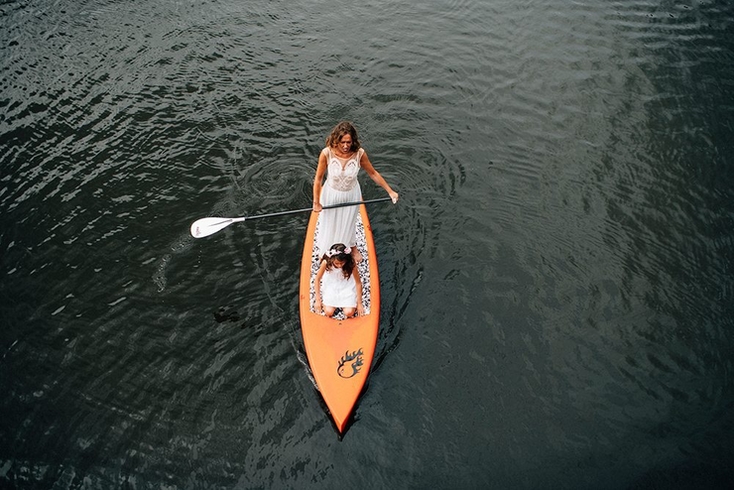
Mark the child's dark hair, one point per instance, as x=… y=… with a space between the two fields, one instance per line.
x=339 y=251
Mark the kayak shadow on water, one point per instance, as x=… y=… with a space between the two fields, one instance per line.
x=399 y=285
x=390 y=334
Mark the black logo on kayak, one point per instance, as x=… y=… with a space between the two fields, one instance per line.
x=350 y=364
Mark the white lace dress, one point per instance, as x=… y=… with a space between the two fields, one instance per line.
x=339 y=225
x=338 y=291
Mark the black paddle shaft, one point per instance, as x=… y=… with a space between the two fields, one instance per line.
x=294 y=211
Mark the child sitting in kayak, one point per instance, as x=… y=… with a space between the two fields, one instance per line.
x=339 y=283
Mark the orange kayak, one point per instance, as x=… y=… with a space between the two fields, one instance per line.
x=340 y=351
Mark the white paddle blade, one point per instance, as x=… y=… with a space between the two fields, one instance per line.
x=209 y=226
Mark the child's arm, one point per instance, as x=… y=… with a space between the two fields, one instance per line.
x=317 y=286
x=358 y=281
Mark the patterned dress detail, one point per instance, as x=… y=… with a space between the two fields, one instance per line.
x=339 y=225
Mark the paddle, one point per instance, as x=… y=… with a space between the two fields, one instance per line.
x=208 y=226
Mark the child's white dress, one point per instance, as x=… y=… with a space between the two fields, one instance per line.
x=338 y=291
x=338 y=225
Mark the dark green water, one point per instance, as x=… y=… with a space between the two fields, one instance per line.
x=557 y=279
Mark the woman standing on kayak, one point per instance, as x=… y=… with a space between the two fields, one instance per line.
x=340 y=162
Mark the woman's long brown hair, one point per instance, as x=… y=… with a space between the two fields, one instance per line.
x=341 y=129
